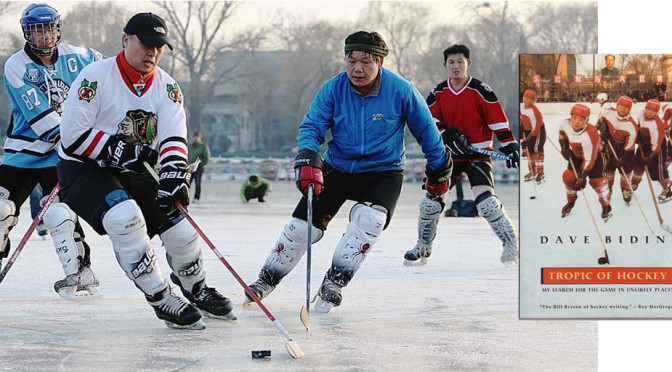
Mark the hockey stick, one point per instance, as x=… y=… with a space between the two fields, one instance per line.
x=532 y=168
x=493 y=154
x=292 y=347
x=632 y=190
x=305 y=310
x=36 y=221
x=601 y=260
x=663 y=225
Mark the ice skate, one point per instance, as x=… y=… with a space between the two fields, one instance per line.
x=627 y=196
x=528 y=177
x=328 y=297
x=42 y=231
x=418 y=255
x=665 y=196
x=79 y=285
x=540 y=178
x=261 y=289
x=211 y=303
x=510 y=257
x=175 y=311
x=567 y=208
x=606 y=212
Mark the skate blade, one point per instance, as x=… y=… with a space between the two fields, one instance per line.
x=321 y=306
x=419 y=262
x=198 y=325
x=86 y=293
x=607 y=218
x=230 y=316
x=663 y=201
x=511 y=265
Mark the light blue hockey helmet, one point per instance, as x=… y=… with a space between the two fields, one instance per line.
x=41 y=22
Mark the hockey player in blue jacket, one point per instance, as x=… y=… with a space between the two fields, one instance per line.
x=38 y=78
x=366 y=107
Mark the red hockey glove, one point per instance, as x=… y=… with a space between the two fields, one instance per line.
x=437 y=182
x=308 y=170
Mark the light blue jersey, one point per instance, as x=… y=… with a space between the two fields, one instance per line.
x=37 y=94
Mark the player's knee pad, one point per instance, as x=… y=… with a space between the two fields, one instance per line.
x=430 y=212
x=8 y=219
x=125 y=225
x=568 y=178
x=289 y=249
x=60 y=220
x=183 y=251
x=366 y=225
x=492 y=210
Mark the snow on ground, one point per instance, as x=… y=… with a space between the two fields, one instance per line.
x=460 y=312
x=542 y=218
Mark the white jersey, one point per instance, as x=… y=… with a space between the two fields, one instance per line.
x=585 y=144
x=651 y=132
x=105 y=104
x=601 y=109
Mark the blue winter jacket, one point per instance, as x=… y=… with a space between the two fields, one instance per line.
x=368 y=131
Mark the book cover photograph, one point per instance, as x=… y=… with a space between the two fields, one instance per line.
x=595 y=211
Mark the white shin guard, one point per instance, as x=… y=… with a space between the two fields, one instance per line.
x=7 y=220
x=288 y=250
x=430 y=212
x=60 y=220
x=366 y=225
x=183 y=251
x=492 y=210
x=125 y=225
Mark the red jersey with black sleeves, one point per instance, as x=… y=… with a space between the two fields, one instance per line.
x=531 y=118
x=474 y=110
x=113 y=99
x=651 y=132
x=585 y=144
x=623 y=130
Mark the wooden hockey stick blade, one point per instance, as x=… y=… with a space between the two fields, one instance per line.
x=305 y=318
x=294 y=349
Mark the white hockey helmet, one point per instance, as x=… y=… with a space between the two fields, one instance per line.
x=602 y=97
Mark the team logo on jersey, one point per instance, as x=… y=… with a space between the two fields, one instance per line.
x=174 y=92
x=34 y=75
x=376 y=117
x=88 y=90
x=57 y=91
x=138 y=126
x=486 y=87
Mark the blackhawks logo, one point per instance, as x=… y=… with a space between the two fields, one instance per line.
x=138 y=126
x=88 y=90
x=174 y=92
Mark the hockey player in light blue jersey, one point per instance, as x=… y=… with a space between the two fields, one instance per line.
x=38 y=78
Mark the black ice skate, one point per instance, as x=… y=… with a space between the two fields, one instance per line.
x=540 y=178
x=211 y=303
x=606 y=212
x=261 y=289
x=665 y=196
x=567 y=208
x=627 y=196
x=78 y=285
x=418 y=255
x=528 y=177
x=175 y=311
x=328 y=297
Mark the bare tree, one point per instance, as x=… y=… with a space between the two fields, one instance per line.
x=570 y=28
x=199 y=36
x=109 y=21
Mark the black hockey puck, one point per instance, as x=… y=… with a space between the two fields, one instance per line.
x=533 y=197
x=602 y=261
x=260 y=354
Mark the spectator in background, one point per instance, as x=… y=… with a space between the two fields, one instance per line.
x=198 y=150
x=255 y=187
x=609 y=71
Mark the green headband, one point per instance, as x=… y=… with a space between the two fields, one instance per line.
x=375 y=50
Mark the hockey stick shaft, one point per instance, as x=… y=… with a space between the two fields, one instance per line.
x=653 y=195
x=225 y=262
x=305 y=311
x=36 y=221
x=493 y=154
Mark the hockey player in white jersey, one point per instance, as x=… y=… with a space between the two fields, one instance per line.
x=126 y=108
x=38 y=78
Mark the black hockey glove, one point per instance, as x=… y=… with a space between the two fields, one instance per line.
x=580 y=182
x=514 y=150
x=173 y=186
x=621 y=158
x=119 y=154
x=308 y=170
x=565 y=151
x=456 y=143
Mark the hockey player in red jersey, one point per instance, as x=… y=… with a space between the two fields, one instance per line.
x=652 y=151
x=581 y=145
x=467 y=114
x=534 y=136
x=619 y=134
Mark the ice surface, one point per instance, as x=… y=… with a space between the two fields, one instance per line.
x=460 y=312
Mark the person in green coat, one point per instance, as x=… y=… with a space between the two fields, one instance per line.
x=198 y=150
x=255 y=187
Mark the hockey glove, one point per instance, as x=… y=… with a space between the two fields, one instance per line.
x=621 y=158
x=173 y=186
x=523 y=144
x=119 y=154
x=437 y=182
x=580 y=182
x=308 y=170
x=514 y=150
x=456 y=143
